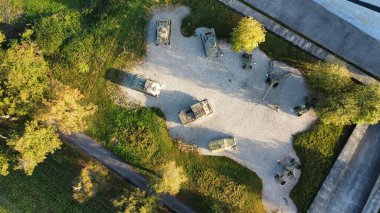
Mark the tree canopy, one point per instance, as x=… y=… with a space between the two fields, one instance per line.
x=67 y=109
x=172 y=177
x=52 y=30
x=247 y=35
x=137 y=202
x=4 y=165
x=2 y=37
x=34 y=145
x=342 y=101
x=23 y=79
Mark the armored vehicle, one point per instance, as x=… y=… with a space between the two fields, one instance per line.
x=163 y=31
x=221 y=144
x=195 y=112
x=302 y=109
x=210 y=45
x=247 y=61
x=147 y=86
x=288 y=167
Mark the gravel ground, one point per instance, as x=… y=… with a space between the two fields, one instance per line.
x=236 y=96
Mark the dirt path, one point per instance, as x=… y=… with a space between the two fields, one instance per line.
x=236 y=96
x=110 y=160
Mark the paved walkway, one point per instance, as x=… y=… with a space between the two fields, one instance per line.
x=110 y=160
x=295 y=38
x=353 y=176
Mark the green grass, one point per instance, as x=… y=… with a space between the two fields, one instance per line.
x=49 y=188
x=317 y=150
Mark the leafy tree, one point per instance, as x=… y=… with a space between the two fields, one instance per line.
x=23 y=79
x=4 y=164
x=91 y=179
x=247 y=35
x=138 y=201
x=358 y=106
x=52 y=30
x=328 y=78
x=172 y=177
x=66 y=109
x=34 y=145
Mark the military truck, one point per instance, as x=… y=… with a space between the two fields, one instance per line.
x=287 y=167
x=247 y=60
x=210 y=45
x=144 y=85
x=304 y=108
x=163 y=31
x=195 y=112
x=222 y=144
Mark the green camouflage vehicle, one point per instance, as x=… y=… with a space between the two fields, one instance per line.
x=163 y=31
x=288 y=167
x=195 y=112
x=210 y=45
x=222 y=144
x=144 y=85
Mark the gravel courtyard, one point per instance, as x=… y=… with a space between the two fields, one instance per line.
x=236 y=96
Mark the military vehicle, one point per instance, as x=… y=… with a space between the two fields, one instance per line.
x=222 y=144
x=304 y=108
x=247 y=61
x=195 y=112
x=141 y=84
x=210 y=45
x=273 y=78
x=163 y=31
x=288 y=167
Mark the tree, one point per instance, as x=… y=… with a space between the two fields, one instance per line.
x=357 y=106
x=172 y=177
x=23 y=80
x=52 y=30
x=137 y=201
x=91 y=179
x=78 y=53
x=328 y=78
x=4 y=164
x=34 y=145
x=67 y=109
x=247 y=35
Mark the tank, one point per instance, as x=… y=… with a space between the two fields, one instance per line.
x=195 y=112
x=222 y=144
x=247 y=61
x=163 y=32
x=288 y=167
x=144 y=85
x=210 y=45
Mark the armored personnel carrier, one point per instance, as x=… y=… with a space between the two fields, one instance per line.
x=141 y=84
x=247 y=61
x=288 y=167
x=221 y=144
x=195 y=112
x=210 y=45
x=163 y=31
x=304 y=108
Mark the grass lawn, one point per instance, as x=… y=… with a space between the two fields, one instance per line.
x=317 y=149
x=49 y=188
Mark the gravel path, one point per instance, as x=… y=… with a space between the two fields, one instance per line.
x=262 y=134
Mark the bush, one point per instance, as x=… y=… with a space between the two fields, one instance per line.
x=52 y=31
